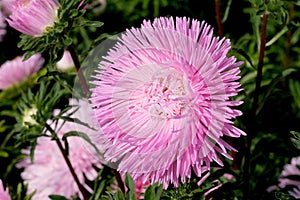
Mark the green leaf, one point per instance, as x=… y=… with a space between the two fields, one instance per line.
x=283 y=196
x=83 y=136
x=68 y=41
x=91 y=23
x=99 y=190
x=129 y=182
x=119 y=195
x=3 y=154
x=57 y=197
x=296 y=139
x=130 y=194
x=158 y=192
x=150 y=193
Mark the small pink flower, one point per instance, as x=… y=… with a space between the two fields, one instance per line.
x=140 y=187
x=4 y=194
x=139 y=184
x=2 y=26
x=162 y=98
x=48 y=173
x=15 y=71
x=32 y=17
x=66 y=62
x=289 y=177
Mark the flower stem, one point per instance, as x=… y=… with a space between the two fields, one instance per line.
x=85 y=88
x=119 y=180
x=81 y=77
x=218 y=16
x=254 y=107
x=83 y=191
x=260 y=64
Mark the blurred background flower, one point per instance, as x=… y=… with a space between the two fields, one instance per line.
x=289 y=179
x=4 y=194
x=162 y=99
x=32 y=17
x=2 y=25
x=16 y=70
x=49 y=173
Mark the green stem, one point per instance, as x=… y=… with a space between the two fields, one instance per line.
x=81 y=77
x=254 y=107
x=260 y=64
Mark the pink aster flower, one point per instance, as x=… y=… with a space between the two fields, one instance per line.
x=291 y=169
x=139 y=184
x=286 y=178
x=4 y=194
x=16 y=70
x=140 y=187
x=2 y=26
x=218 y=183
x=32 y=17
x=162 y=100
x=48 y=173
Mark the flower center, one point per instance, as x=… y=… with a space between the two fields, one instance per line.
x=166 y=96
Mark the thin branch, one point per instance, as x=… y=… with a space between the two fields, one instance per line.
x=255 y=106
x=83 y=191
x=85 y=88
x=119 y=180
x=260 y=64
x=219 y=19
x=81 y=77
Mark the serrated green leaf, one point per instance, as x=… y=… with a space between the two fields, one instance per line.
x=295 y=139
x=283 y=196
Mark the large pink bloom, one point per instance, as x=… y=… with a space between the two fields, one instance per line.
x=2 y=25
x=16 y=70
x=162 y=99
x=49 y=174
x=32 y=17
x=4 y=194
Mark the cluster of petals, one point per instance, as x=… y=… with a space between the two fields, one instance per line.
x=162 y=97
x=48 y=173
x=2 y=25
x=290 y=178
x=32 y=17
x=17 y=70
x=4 y=194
